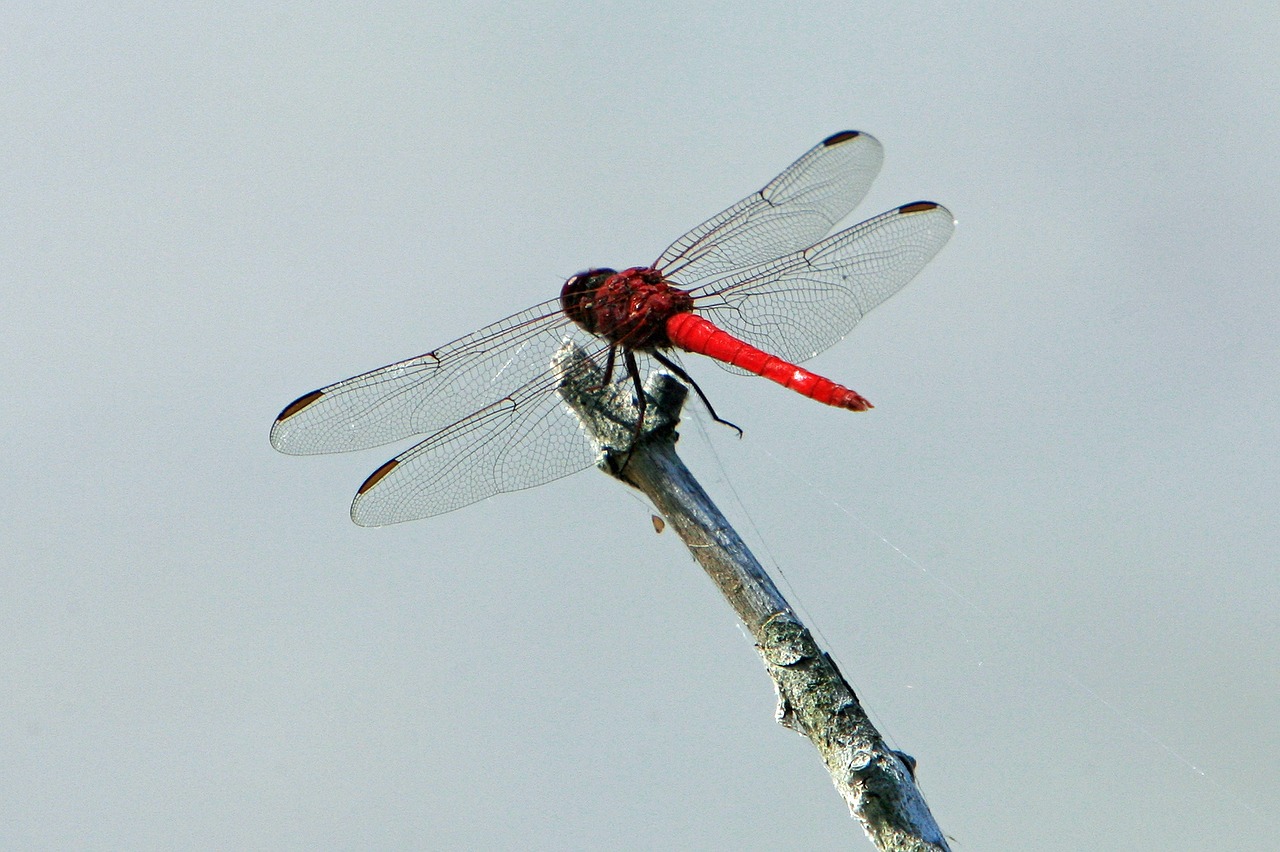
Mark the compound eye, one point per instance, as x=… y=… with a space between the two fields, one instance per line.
x=589 y=280
x=577 y=289
x=577 y=297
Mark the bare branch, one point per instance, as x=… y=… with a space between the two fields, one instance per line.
x=876 y=782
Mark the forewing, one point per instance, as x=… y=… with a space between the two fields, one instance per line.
x=797 y=306
x=525 y=439
x=793 y=211
x=424 y=394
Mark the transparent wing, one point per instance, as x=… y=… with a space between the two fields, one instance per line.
x=793 y=211
x=525 y=439
x=488 y=401
x=799 y=305
x=424 y=394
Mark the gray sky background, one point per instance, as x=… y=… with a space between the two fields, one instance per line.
x=1046 y=560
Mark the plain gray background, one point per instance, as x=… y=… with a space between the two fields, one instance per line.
x=1046 y=560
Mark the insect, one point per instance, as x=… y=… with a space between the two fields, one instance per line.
x=760 y=287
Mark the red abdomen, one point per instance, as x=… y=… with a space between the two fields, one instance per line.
x=695 y=334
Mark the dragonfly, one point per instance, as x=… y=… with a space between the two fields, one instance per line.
x=760 y=287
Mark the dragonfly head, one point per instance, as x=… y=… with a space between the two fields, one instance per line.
x=577 y=296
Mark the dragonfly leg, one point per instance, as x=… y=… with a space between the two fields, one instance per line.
x=608 y=369
x=633 y=369
x=642 y=400
x=679 y=371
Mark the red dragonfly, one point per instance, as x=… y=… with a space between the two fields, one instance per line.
x=759 y=287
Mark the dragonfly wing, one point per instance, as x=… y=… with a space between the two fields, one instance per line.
x=794 y=210
x=525 y=439
x=799 y=305
x=423 y=394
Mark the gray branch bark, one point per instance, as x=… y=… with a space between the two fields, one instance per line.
x=814 y=699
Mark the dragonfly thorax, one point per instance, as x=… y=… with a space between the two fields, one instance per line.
x=628 y=308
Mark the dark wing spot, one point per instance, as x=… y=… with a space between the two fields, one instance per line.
x=842 y=136
x=299 y=404
x=376 y=476
x=917 y=207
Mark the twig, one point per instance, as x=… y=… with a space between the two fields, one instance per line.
x=877 y=782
